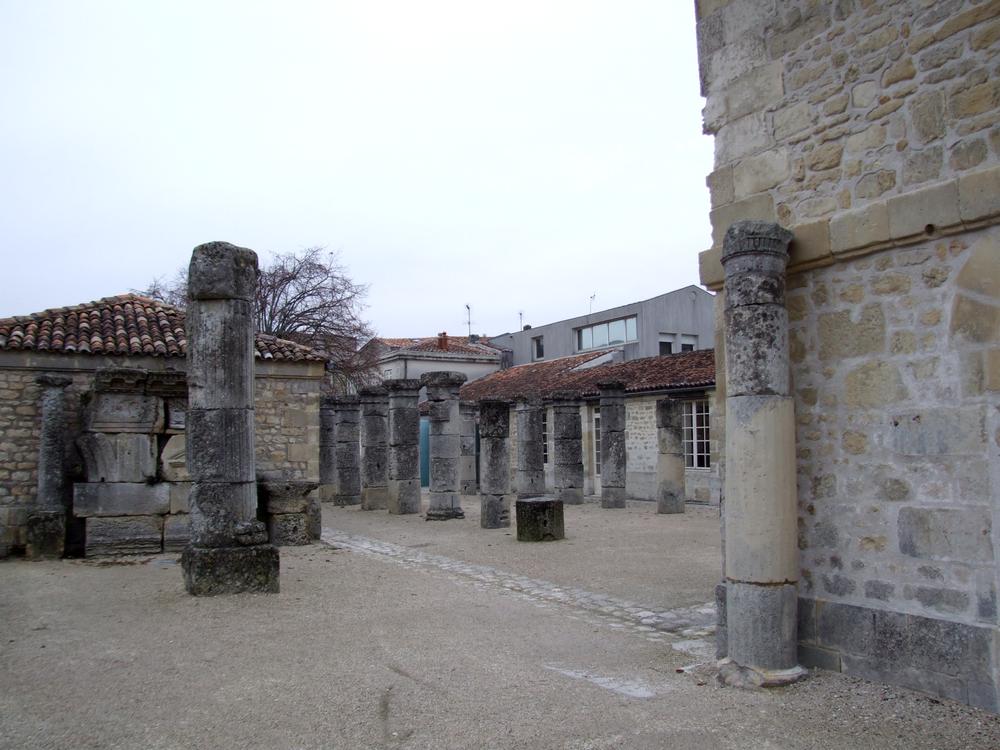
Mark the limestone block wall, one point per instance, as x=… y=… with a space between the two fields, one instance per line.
x=870 y=130
x=286 y=416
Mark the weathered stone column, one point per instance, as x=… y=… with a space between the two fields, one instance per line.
x=445 y=444
x=762 y=567
x=374 y=448
x=568 y=448
x=345 y=422
x=670 y=492
x=46 y=529
x=530 y=476
x=327 y=449
x=613 y=454
x=467 y=464
x=228 y=552
x=404 y=446
x=494 y=464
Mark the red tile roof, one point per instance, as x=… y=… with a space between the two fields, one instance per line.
x=126 y=325
x=542 y=379
x=455 y=345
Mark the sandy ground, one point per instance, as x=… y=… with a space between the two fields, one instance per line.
x=418 y=648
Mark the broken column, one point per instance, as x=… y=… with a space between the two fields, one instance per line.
x=670 y=492
x=404 y=446
x=530 y=477
x=445 y=444
x=290 y=512
x=468 y=464
x=613 y=454
x=340 y=450
x=228 y=553
x=567 y=448
x=494 y=463
x=374 y=448
x=46 y=527
x=761 y=566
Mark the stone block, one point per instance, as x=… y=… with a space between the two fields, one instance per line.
x=375 y=497
x=751 y=369
x=404 y=462
x=962 y=535
x=851 y=230
x=568 y=475
x=124 y=412
x=981 y=272
x=220 y=367
x=760 y=172
x=539 y=519
x=121 y=457
x=176 y=532
x=127 y=535
x=939 y=432
x=613 y=416
x=404 y=426
x=314 y=518
x=811 y=242
x=288 y=529
x=613 y=497
x=841 y=337
x=444 y=474
x=494 y=463
x=231 y=570
x=45 y=535
x=225 y=445
x=873 y=385
x=175 y=420
x=613 y=460
x=720 y=186
x=760 y=207
x=927 y=116
x=568 y=452
x=975 y=321
x=793 y=119
x=569 y=495
x=173 y=460
x=494 y=511
x=219 y=510
x=348 y=432
x=374 y=465
x=917 y=211
x=742 y=137
x=669 y=497
x=220 y=270
x=284 y=497
x=348 y=455
x=952 y=648
x=845 y=627
x=120 y=499
x=374 y=430
x=404 y=496
x=979 y=194
x=444 y=506
x=816 y=657
x=710 y=268
x=761 y=625
x=445 y=446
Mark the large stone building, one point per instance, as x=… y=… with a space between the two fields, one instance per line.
x=136 y=346
x=869 y=129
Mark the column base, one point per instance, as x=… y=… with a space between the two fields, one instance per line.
x=46 y=535
x=494 y=511
x=569 y=495
x=444 y=506
x=404 y=496
x=211 y=571
x=734 y=675
x=669 y=503
x=444 y=514
x=613 y=497
x=374 y=498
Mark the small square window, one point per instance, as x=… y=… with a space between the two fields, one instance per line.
x=666 y=347
x=687 y=347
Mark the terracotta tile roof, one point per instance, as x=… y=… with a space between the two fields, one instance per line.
x=541 y=379
x=456 y=345
x=126 y=325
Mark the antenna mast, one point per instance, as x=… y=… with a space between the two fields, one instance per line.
x=468 y=316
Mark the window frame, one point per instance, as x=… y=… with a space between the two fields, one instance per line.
x=580 y=333
x=696 y=434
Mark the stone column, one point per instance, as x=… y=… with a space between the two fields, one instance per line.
x=346 y=438
x=327 y=449
x=530 y=457
x=404 y=446
x=613 y=454
x=374 y=448
x=467 y=464
x=762 y=566
x=445 y=444
x=568 y=448
x=228 y=552
x=46 y=529
x=670 y=494
x=494 y=464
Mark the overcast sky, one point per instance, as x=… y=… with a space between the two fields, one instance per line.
x=516 y=156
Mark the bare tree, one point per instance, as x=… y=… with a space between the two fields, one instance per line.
x=306 y=297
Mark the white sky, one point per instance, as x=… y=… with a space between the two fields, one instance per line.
x=513 y=155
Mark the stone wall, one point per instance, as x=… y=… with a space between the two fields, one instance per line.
x=869 y=129
x=286 y=415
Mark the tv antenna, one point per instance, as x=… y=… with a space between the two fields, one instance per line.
x=520 y=320
x=468 y=317
x=592 y=297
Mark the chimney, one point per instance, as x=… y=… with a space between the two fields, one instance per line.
x=473 y=338
x=527 y=327
x=443 y=341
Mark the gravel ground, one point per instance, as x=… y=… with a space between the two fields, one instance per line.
x=375 y=644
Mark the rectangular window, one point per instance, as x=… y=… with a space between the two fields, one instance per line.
x=537 y=348
x=666 y=347
x=611 y=333
x=688 y=343
x=694 y=432
x=545 y=435
x=597 y=441
x=687 y=347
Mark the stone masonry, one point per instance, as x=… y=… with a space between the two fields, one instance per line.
x=567 y=449
x=467 y=466
x=494 y=461
x=404 y=446
x=46 y=528
x=445 y=444
x=228 y=551
x=374 y=448
x=530 y=471
x=670 y=458
x=340 y=446
x=613 y=454
x=870 y=129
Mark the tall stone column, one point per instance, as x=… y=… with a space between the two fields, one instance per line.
x=374 y=448
x=494 y=464
x=670 y=492
x=327 y=449
x=445 y=444
x=613 y=453
x=467 y=464
x=567 y=449
x=228 y=552
x=46 y=529
x=762 y=566
x=404 y=446
x=346 y=437
x=530 y=456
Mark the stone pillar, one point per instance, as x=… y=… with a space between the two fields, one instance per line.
x=374 y=448
x=530 y=457
x=340 y=463
x=670 y=494
x=46 y=529
x=445 y=444
x=762 y=567
x=568 y=448
x=404 y=446
x=228 y=552
x=468 y=463
x=494 y=464
x=613 y=454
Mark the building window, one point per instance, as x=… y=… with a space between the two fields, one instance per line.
x=687 y=347
x=597 y=441
x=695 y=434
x=607 y=334
x=666 y=347
x=545 y=436
x=688 y=343
x=537 y=348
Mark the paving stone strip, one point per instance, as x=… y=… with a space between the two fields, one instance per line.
x=689 y=622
